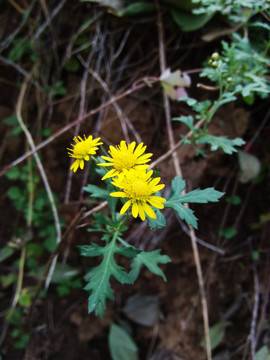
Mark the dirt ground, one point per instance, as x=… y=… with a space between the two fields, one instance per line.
x=236 y=281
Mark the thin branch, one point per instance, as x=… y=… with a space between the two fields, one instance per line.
x=49 y=19
x=166 y=155
x=49 y=263
x=5 y=44
x=123 y=119
x=255 y=308
x=72 y=124
x=37 y=159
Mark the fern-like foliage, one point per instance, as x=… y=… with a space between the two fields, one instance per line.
x=98 y=278
x=176 y=200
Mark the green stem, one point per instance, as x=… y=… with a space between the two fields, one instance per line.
x=20 y=276
x=30 y=193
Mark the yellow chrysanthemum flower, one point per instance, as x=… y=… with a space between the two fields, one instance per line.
x=138 y=187
x=82 y=149
x=125 y=157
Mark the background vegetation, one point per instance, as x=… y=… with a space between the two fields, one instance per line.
x=190 y=79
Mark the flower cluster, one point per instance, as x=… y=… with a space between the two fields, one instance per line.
x=129 y=173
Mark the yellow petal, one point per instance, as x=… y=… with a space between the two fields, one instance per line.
x=75 y=165
x=140 y=150
x=118 y=194
x=141 y=212
x=135 y=210
x=155 y=202
x=109 y=174
x=131 y=146
x=149 y=211
x=125 y=207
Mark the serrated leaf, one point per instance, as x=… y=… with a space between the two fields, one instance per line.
x=178 y=185
x=183 y=212
x=121 y=345
x=104 y=194
x=159 y=222
x=98 y=278
x=221 y=142
x=150 y=260
x=176 y=200
x=202 y=196
x=187 y=120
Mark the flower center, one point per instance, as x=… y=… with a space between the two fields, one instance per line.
x=80 y=149
x=124 y=160
x=140 y=189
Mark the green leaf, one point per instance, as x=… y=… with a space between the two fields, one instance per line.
x=104 y=194
x=14 y=316
x=20 y=47
x=121 y=345
x=136 y=8
x=14 y=173
x=234 y=200
x=175 y=200
x=216 y=333
x=14 y=192
x=221 y=142
x=178 y=185
x=24 y=299
x=187 y=120
x=34 y=250
x=7 y=280
x=50 y=243
x=189 y=21
x=6 y=252
x=228 y=232
x=202 y=196
x=150 y=260
x=11 y=120
x=22 y=341
x=98 y=278
x=263 y=353
x=159 y=222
